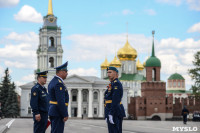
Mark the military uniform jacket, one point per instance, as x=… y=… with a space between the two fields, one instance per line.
x=39 y=99
x=114 y=93
x=58 y=95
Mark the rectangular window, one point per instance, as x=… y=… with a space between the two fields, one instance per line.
x=29 y=110
x=179 y=84
x=95 y=111
x=174 y=84
x=84 y=111
x=74 y=98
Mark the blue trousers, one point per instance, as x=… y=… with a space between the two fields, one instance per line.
x=40 y=127
x=184 y=118
x=57 y=124
x=117 y=127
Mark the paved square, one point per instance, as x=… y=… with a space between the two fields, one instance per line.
x=99 y=126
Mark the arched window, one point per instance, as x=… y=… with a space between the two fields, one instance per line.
x=153 y=74
x=123 y=67
x=51 y=42
x=95 y=96
x=129 y=67
x=51 y=62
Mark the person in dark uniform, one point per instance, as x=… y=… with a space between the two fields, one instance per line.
x=59 y=98
x=40 y=103
x=114 y=110
x=185 y=112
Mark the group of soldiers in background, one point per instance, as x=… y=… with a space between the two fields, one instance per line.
x=54 y=103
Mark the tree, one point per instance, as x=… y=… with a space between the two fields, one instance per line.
x=195 y=74
x=5 y=85
x=8 y=97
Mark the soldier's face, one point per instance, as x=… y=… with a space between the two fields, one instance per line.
x=64 y=74
x=42 y=80
x=111 y=75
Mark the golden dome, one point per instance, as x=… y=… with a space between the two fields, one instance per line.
x=127 y=52
x=115 y=62
x=105 y=64
x=139 y=65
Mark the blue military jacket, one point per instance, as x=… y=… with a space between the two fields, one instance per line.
x=114 y=92
x=59 y=98
x=39 y=99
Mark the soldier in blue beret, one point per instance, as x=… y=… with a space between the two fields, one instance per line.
x=39 y=103
x=114 y=110
x=59 y=98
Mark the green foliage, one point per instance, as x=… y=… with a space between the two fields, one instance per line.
x=195 y=74
x=8 y=97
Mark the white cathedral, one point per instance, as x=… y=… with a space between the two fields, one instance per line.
x=86 y=92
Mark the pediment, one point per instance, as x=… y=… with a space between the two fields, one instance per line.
x=75 y=78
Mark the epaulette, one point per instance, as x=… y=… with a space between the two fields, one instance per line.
x=37 y=86
x=59 y=81
x=115 y=81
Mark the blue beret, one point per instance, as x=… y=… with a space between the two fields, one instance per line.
x=62 y=67
x=112 y=68
x=42 y=74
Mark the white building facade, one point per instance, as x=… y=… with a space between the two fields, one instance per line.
x=86 y=93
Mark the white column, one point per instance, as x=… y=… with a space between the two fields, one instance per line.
x=90 y=114
x=101 y=103
x=69 y=104
x=79 y=103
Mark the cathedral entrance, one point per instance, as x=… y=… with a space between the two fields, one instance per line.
x=74 y=112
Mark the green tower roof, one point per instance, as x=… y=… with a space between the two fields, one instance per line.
x=153 y=61
x=176 y=76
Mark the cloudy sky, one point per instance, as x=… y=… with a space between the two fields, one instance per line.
x=93 y=29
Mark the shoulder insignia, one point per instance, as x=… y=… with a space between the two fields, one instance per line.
x=59 y=81
x=115 y=81
x=60 y=88
x=115 y=87
x=34 y=93
x=37 y=86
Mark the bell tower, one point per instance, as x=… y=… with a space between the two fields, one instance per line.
x=49 y=52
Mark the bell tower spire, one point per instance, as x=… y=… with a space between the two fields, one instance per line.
x=50 y=9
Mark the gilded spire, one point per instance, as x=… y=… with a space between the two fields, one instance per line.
x=153 y=54
x=139 y=65
x=115 y=62
x=50 y=9
x=105 y=64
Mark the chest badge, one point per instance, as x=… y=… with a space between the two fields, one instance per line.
x=34 y=94
x=60 y=88
x=115 y=87
x=42 y=91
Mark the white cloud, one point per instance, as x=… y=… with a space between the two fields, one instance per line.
x=127 y=12
x=26 y=37
x=173 y=2
x=19 y=50
x=8 y=3
x=150 y=12
x=195 y=28
x=95 y=47
x=30 y=77
x=84 y=72
x=28 y=14
x=194 y=4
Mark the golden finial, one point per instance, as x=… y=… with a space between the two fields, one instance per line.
x=127 y=30
x=50 y=9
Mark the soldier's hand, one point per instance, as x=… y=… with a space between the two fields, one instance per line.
x=37 y=117
x=111 y=119
x=65 y=119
